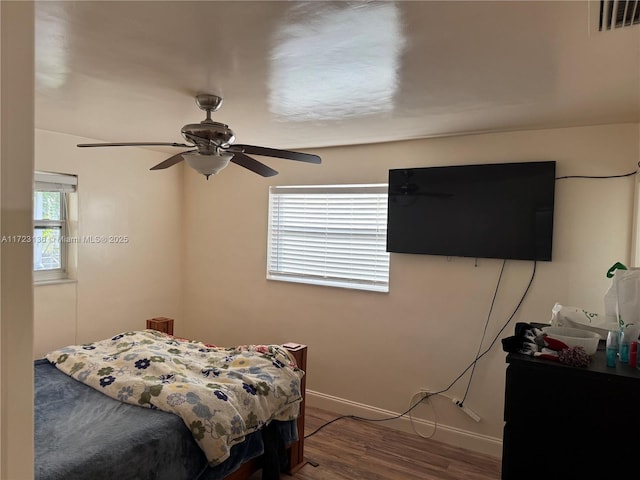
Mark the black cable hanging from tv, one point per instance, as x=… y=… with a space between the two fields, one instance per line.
x=600 y=176
x=470 y=366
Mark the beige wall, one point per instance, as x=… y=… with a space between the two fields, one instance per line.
x=198 y=251
x=373 y=351
x=118 y=285
x=16 y=175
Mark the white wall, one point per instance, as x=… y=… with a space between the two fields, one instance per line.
x=372 y=350
x=118 y=285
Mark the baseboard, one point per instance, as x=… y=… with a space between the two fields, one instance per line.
x=484 y=444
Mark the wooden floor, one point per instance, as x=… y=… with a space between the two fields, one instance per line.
x=354 y=450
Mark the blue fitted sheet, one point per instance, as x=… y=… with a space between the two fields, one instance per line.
x=81 y=433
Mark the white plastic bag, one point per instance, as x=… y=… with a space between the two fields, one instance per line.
x=622 y=300
x=575 y=317
x=628 y=287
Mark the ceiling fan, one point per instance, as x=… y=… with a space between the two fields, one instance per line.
x=212 y=147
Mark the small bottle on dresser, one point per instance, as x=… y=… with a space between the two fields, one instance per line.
x=625 y=343
x=633 y=354
x=612 y=348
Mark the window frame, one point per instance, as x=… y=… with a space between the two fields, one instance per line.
x=371 y=273
x=66 y=186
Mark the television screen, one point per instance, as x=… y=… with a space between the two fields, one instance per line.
x=484 y=211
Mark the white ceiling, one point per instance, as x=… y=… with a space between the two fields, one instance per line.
x=312 y=74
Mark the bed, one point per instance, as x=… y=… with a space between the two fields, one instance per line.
x=91 y=423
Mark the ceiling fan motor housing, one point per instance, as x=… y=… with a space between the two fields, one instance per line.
x=208 y=136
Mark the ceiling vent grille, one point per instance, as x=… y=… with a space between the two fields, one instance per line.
x=618 y=14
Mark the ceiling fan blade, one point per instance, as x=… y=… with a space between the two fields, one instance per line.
x=272 y=152
x=171 y=161
x=137 y=144
x=253 y=165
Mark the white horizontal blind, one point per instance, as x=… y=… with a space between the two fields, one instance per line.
x=331 y=235
x=54 y=182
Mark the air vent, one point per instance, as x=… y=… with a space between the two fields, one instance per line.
x=618 y=14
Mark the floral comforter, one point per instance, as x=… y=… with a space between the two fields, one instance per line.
x=222 y=394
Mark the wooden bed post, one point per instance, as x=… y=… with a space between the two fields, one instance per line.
x=296 y=452
x=161 y=324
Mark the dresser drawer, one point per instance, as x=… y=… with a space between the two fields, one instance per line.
x=567 y=396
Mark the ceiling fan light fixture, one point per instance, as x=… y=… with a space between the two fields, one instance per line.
x=208 y=164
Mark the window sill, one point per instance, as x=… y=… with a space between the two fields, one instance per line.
x=56 y=281
x=369 y=287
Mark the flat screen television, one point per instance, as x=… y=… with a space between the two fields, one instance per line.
x=500 y=210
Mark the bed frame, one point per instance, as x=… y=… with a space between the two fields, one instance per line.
x=295 y=451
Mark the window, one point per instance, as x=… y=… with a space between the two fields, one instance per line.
x=331 y=235
x=51 y=225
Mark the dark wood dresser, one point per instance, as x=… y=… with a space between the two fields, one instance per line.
x=570 y=422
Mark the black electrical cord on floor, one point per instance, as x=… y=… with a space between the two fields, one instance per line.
x=363 y=419
x=431 y=394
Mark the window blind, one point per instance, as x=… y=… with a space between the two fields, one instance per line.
x=54 y=182
x=331 y=235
